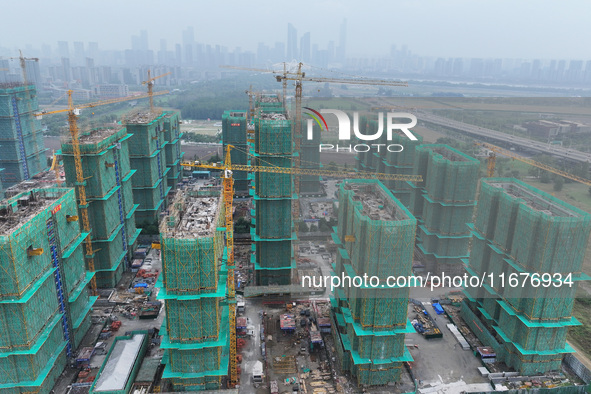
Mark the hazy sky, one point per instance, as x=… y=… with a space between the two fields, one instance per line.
x=455 y=28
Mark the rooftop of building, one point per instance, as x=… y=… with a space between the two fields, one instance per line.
x=534 y=198
x=375 y=201
x=448 y=153
x=13 y=85
x=268 y=98
x=21 y=207
x=98 y=134
x=193 y=214
x=235 y=113
x=273 y=116
x=141 y=116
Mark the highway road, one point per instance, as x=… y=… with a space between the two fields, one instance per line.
x=497 y=136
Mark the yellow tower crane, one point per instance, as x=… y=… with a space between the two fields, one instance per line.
x=150 y=83
x=491 y=162
x=227 y=170
x=73 y=112
x=299 y=76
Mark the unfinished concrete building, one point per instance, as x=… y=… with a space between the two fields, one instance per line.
x=521 y=231
x=111 y=209
x=194 y=288
x=443 y=205
x=22 y=149
x=386 y=162
x=44 y=300
x=174 y=156
x=375 y=236
x=234 y=133
x=272 y=195
x=147 y=155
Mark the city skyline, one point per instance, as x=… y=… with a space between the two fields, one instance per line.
x=457 y=28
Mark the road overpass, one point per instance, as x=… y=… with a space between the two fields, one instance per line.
x=498 y=137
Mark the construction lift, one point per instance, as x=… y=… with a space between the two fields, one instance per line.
x=227 y=169
x=73 y=113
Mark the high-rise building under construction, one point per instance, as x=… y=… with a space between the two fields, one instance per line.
x=104 y=155
x=387 y=162
x=529 y=247
x=443 y=205
x=375 y=237
x=147 y=155
x=272 y=195
x=22 y=150
x=234 y=133
x=195 y=333
x=44 y=301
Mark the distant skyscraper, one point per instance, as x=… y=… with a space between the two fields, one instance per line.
x=305 y=48
x=292 y=42
x=63 y=49
x=79 y=52
x=189 y=44
x=93 y=50
x=342 y=48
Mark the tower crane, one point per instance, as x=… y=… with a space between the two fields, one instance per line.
x=150 y=83
x=73 y=112
x=299 y=76
x=491 y=162
x=228 y=186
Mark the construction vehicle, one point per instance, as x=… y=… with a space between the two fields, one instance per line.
x=494 y=150
x=227 y=169
x=73 y=113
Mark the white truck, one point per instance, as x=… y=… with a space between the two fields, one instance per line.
x=257 y=373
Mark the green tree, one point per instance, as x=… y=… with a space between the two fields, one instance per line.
x=214 y=159
x=323 y=225
x=313 y=228
x=332 y=166
x=302 y=227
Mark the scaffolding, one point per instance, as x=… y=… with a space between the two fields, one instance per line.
x=147 y=155
x=194 y=288
x=22 y=149
x=520 y=230
x=234 y=133
x=174 y=156
x=444 y=205
x=390 y=162
x=44 y=300
x=104 y=154
x=375 y=236
x=273 y=234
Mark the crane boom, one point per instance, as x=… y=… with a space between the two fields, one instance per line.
x=97 y=103
x=513 y=155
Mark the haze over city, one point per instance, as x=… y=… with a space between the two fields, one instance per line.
x=455 y=28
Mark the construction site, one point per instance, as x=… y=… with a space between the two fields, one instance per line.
x=93 y=303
